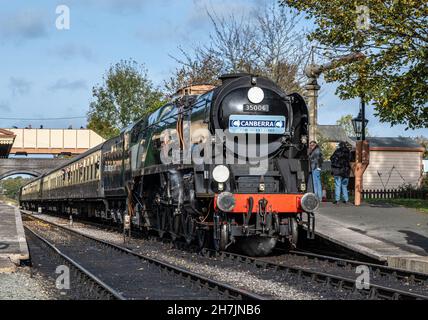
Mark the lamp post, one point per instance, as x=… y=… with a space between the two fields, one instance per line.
x=357 y=124
x=361 y=151
x=360 y=122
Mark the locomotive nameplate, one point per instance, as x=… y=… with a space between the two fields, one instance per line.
x=256 y=124
x=256 y=108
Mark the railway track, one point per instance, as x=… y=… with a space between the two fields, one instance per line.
x=90 y=286
x=398 y=278
x=124 y=274
x=375 y=269
x=374 y=291
x=403 y=281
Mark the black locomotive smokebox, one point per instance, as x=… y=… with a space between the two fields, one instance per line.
x=231 y=103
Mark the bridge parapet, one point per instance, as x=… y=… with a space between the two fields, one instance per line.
x=54 y=141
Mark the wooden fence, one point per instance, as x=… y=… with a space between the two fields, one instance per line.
x=396 y=194
x=387 y=194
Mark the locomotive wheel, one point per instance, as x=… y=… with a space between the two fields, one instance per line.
x=220 y=239
x=294 y=233
x=175 y=227
x=159 y=223
x=189 y=228
x=201 y=238
x=164 y=222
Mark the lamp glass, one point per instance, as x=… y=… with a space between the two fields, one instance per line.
x=357 y=123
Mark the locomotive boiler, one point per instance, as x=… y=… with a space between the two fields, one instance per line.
x=228 y=169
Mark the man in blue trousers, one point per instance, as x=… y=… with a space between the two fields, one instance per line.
x=315 y=157
x=340 y=168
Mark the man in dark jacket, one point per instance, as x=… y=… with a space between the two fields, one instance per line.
x=340 y=167
x=315 y=157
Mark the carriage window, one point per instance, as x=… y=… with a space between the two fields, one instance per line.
x=97 y=168
x=84 y=171
x=90 y=168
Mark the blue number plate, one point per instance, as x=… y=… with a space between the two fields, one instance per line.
x=256 y=124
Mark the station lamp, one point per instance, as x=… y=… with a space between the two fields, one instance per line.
x=359 y=125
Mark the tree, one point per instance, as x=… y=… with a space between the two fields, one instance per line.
x=203 y=68
x=346 y=123
x=423 y=141
x=266 y=43
x=125 y=96
x=11 y=186
x=393 y=36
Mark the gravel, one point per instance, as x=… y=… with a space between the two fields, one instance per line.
x=264 y=282
x=21 y=285
x=141 y=280
x=348 y=272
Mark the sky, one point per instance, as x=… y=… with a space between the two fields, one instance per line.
x=49 y=73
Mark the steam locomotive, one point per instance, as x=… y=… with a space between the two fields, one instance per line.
x=228 y=168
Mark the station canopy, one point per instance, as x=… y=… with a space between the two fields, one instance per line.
x=6 y=141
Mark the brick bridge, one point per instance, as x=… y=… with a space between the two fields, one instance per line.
x=31 y=166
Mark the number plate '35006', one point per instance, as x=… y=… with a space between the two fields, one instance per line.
x=256 y=108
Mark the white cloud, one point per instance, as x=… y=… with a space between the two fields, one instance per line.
x=19 y=86
x=4 y=107
x=123 y=7
x=64 y=84
x=71 y=50
x=23 y=25
x=199 y=17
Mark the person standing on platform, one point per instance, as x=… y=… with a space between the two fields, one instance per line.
x=340 y=167
x=315 y=157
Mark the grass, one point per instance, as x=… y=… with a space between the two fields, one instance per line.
x=419 y=204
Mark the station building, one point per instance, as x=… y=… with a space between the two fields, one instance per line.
x=394 y=161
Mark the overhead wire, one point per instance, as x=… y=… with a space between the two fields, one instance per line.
x=41 y=119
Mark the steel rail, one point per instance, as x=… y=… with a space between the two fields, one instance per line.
x=374 y=292
x=223 y=288
x=378 y=269
x=412 y=277
x=110 y=292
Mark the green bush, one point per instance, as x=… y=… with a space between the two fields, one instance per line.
x=424 y=184
x=327 y=181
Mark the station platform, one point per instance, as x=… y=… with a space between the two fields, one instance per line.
x=13 y=244
x=394 y=235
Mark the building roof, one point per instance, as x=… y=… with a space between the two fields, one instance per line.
x=195 y=89
x=4 y=132
x=397 y=142
x=6 y=141
x=334 y=133
x=393 y=144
